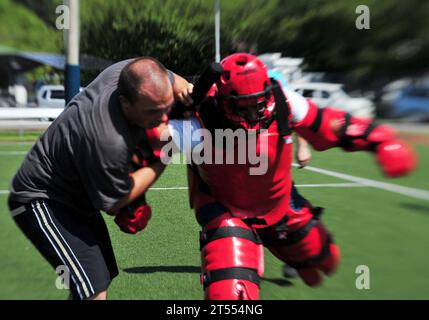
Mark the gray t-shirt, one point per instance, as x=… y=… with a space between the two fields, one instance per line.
x=83 y=158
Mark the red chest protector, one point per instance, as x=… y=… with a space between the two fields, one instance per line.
x=265 y=196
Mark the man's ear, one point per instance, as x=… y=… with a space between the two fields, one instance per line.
x=126 y=108
x=125 y=105
x=124 y=102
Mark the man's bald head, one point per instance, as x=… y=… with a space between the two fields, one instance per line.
x=143 y=75
x=145 y=92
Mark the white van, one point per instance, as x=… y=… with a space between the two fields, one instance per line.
x=51 y=96
x=333 y=95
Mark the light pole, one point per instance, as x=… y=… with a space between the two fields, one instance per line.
x=217 y=30
x=72 y=78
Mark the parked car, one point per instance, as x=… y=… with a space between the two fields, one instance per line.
x=333 y=95
x=7 y=102
x=412 y=102
x=51 y=96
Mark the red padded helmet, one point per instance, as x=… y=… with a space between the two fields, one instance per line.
x=244 y=89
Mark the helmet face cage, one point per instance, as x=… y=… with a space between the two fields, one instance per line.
x=249 y=108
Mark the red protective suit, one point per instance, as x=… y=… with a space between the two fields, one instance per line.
x=227 y=195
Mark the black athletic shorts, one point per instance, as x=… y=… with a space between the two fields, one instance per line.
x=79 y=243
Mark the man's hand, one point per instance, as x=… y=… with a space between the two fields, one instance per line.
x=303 y=153
x=182 y=90
x=134 y=217
x=142 y=178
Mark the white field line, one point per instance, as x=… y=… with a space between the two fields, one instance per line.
x=13 y=153
x=21 y=143
x=330 y=185
x=327 y=185
x=168 y=188
x=320 y=185
x=407 y=191
x=357 y=181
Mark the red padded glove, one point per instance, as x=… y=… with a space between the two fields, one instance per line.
x=134 y=217
x=396 y=158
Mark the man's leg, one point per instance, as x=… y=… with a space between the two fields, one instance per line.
x=70 y=242
x=296 y=202
x=309 y=248
x=313 y=255
x=232 y=256
x=99 y=296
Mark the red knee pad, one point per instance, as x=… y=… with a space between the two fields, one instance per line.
x=308 y=247
x=232 y=289
x=232 y=259
x=312 y=276
x=330 y=263
x=311 y=255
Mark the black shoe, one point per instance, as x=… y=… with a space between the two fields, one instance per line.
x=289 y=272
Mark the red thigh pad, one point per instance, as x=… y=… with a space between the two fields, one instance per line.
x=232 y=259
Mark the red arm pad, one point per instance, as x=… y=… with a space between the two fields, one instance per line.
x=328 y=127
x=316 y=127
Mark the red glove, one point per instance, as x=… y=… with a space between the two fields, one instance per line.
x=396 y=158
x=134 y=217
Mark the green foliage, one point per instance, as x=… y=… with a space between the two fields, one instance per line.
x=324 y=32
x=20 y=28
x=153 y=28
x=180 y=33
x=44 y=9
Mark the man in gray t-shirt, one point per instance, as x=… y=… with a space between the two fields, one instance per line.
x=82 y=164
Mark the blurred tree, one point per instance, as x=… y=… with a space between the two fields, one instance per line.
x=22 y=29
x=180 y=33
x=44 y=9
x=177 y=33
x=325 y=34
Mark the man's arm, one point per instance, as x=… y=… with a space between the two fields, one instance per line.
x=328 y=127
x=303 y=153
x=142 y=179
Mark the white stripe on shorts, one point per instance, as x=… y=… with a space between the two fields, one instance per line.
x=59 y=248
x=70 y=250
